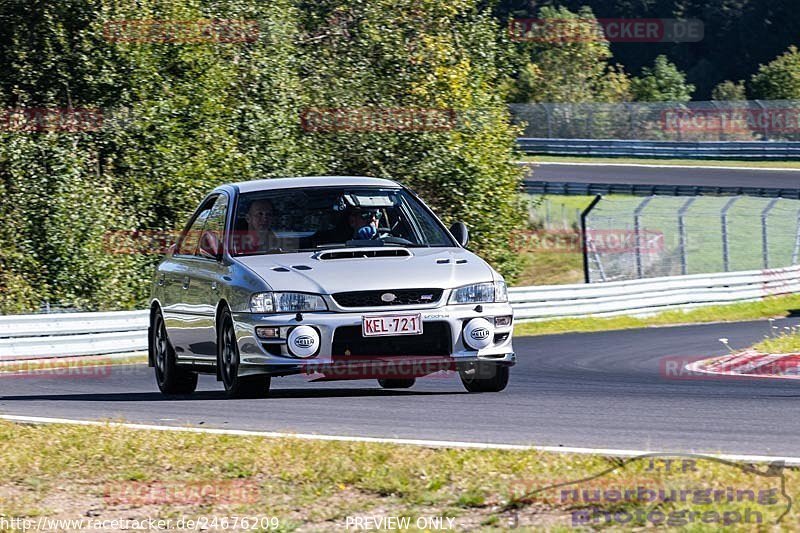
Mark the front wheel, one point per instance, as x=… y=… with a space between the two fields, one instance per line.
x=484 y=377
x=228 y=362
x=171 y=377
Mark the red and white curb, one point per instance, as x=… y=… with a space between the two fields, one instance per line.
x=751 y=364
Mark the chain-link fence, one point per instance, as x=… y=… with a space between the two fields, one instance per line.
x=632 y=238
x=752 y=120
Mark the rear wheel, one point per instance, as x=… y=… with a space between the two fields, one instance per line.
x=484 y=377
x=228 y=362
x=394 y=383
x=171 y=377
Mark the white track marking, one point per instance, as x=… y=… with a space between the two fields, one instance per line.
x=791 y=461
x=642 y=165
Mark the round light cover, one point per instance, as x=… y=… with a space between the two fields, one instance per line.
x=478 y=333
x=303 y=341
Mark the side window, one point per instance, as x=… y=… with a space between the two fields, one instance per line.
x=211 y=241
x=187 y=245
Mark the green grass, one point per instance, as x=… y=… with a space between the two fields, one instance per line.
x=770 y=307
x=61 y=471
x=785 y=340
x=655 y=161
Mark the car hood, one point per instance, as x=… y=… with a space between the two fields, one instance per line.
x=323 y=273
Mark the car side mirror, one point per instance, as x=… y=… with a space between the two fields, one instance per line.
x=209 y=246
x=460 y=232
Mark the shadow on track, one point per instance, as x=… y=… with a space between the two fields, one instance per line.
x=220 y=395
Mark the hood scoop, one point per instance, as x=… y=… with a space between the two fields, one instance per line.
x=359 y=254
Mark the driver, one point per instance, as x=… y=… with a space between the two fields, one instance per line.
x=364 y=223
x=259 y=217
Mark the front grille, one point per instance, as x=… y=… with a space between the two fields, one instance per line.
x=435 y=340
x=373 y=298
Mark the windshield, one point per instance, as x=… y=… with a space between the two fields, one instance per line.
x=292 y=220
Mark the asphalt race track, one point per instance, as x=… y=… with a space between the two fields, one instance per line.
x=666 y=175
x=603 y=390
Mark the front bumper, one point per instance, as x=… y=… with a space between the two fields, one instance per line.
x=272 y=356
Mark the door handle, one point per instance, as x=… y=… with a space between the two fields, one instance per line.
x=161 y=280
x=213 y=285
x=185 y=282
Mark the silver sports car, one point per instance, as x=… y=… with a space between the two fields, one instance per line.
x=333 y=277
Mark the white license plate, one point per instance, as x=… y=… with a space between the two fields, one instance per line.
x=376 y=326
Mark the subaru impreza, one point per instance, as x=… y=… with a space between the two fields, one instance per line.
x=338 y=278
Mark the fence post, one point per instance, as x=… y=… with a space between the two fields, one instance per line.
x=682 y=232
x=631 y=129
x=796 y=251
x=549 y=121
x=764 y=119
x=637 y=235
x=584 y=243
x=764 y=237
x=725 y=243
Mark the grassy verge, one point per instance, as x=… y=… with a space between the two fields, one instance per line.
x=107 y=473
x=785 y=340
x=769 y=308
x=654 y=161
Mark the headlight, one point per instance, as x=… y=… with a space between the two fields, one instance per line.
x=480 y=293
x=286 y=302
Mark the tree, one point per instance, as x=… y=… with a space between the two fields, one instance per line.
x=661 y=83
x=394 y=55
x=730 y=91
x=780 y=79
x=569 y=61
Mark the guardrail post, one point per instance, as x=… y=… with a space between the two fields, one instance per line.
x=764 y=236
x=637 y=235
x=584 y=244
x=682 y=232
x=725 y=243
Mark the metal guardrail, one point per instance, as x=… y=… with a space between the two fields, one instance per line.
x=760 y=150
x=76 y=334
x=568 y=188
x=652 y=295
x=72 y=334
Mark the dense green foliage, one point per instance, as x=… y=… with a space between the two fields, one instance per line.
x=662 y=83
x=180 y=118
x=780 y=79
x=739 y=35
x=575 y=70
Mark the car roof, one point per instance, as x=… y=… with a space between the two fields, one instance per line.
x=312 y=181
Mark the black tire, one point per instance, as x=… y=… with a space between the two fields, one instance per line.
x=170 y=377
x=484 y=377
x=228 y=364
x=396 y=383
